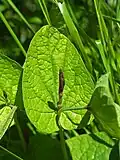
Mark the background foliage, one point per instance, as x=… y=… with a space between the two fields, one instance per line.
x=93 y=26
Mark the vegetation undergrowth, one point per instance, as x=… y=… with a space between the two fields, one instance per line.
x=60 y=80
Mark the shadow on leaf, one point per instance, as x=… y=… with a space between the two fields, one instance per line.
x=44 y=147
x=52 y=106
x=114 y=154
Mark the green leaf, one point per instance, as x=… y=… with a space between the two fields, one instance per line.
x=44 y=147
x=94 y=146
x=6 y=117
x=9 y=78
x=48 y=53
x=104 y=109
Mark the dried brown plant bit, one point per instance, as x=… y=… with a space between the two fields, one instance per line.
x=61 y=81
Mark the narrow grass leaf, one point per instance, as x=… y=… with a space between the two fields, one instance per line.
x=112 y=19
x=20 y=14
x=45 y=11
x=74 y=34
x=107 y=48
x=12 y=33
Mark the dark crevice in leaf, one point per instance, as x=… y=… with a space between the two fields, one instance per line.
x=2 y=105
x=43 y=147
x=70 y=119
x=5 y=94
x=114 y=154
x=52 y=106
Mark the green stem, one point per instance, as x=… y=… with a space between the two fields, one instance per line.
x=119 y=147
x=9 y=152
x=12 y=33
x=21 y=16
x=62 y=141
x=61 y=133
x=20 y=133
x=73 y=108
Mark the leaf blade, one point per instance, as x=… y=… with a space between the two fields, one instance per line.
x=53 y=52
x=93 y=146
x=6 y=117
x=104 y=109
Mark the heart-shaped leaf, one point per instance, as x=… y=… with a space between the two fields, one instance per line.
x=104 y=109
x=9 y=78
x=10 y=73
x=50 y=52
x=93 y=146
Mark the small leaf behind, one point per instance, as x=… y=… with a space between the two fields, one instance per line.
x=90 y=147
x=104 y=109
x=9 y=78
x=6 y=117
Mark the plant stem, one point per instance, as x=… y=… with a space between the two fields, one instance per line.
x=20 y=133
x=61 y=133
x=20 y=14
x=119 y=147
x=73 y=108
x=12 y=33
x=62 y=141
x=9 y=152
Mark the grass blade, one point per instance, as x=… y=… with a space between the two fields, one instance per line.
x=74 y=34
x=45 y=11
x=89 y=40
x=118 y=9
x=112 y=19
x=12 y=154
x=20 y=14
x=109 y=54
x=12 y=33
